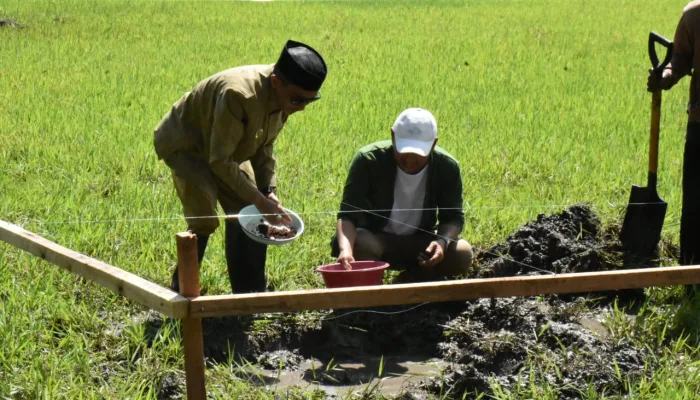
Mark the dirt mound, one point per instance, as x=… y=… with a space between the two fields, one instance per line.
x=561 y=243
x=508 y=340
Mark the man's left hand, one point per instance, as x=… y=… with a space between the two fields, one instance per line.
x=281 y=217
x=432 y=255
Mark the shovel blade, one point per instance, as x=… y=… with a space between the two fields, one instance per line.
x=644 y=219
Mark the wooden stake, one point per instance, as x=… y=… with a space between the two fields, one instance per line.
x=193 y=342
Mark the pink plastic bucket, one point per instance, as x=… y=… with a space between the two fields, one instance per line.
x=363 y=273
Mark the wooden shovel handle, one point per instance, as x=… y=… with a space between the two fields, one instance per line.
x=658 y=68
x=654 y=137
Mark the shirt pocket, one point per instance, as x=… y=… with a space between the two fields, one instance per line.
x=250 y=142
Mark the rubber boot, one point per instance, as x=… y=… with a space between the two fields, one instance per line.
x=202 y=241
x=245 y=259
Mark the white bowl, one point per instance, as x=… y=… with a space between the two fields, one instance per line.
x=249 y=218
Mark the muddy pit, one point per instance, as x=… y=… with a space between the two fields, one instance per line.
x=460 y=345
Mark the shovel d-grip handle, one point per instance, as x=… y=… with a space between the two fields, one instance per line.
x=658 y=69
x=656 y=38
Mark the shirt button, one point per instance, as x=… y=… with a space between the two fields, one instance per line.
x=258 y=134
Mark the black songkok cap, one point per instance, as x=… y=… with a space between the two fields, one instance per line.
x=301 y=65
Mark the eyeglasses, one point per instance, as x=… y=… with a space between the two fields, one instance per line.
x=304 y=100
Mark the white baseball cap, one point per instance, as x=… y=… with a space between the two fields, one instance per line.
x=415 y=131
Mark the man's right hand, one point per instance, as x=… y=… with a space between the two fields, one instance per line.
x=272 y=211
x=345 y=258
x=655 y=84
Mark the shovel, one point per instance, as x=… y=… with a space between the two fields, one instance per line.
x=644 y=219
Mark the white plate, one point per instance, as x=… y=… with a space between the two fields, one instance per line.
x=249 y=218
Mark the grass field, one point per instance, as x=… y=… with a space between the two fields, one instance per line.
x=542 y=102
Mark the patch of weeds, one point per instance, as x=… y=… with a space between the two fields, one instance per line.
x=9 y=23
x=617 y=322
x=687 y=319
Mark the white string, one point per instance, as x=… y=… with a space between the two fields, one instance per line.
x=468 y=208
x=357 y=210
x=374 y=312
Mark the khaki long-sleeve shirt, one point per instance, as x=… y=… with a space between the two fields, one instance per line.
x=686 y=55
x=227 y=119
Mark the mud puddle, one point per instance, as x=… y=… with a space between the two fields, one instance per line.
x=390 y=375
x=410 y=352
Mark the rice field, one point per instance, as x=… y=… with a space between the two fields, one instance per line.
x=543 y=103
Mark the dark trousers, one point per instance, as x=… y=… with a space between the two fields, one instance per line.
x=690 y=217
x=245 y=260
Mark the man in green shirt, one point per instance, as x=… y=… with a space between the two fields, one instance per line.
x=402 y=204
x=218 y=141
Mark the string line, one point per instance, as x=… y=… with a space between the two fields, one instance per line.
x=374 y=312
x=180 y=217
x=448 y=240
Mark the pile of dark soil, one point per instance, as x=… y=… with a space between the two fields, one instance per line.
x=570 y=241
x=510 y=341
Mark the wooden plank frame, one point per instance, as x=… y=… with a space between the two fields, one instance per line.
x=468 y=289
x=194 y=307
x=117 y=280
x=174 y=305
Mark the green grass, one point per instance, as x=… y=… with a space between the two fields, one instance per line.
x=542 y=102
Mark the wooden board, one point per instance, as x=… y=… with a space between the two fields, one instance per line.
x=122 y=282
x=371 y=296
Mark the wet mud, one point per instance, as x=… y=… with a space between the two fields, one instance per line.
x=568 y=242
x=557 y=342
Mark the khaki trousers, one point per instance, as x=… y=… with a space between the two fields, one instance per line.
x=199 y=191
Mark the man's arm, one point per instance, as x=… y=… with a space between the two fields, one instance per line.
x=355 y=195
x=356 y=192
x=227 y=132
x=263 y=162
x=447 y=233
x=682 y=61
x=346 y=233
x=450 y=200
x=450 y=215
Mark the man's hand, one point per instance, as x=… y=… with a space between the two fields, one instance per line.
x=433 y=254
x=655 y=84
x=273 y=198
x=272 y=210
x=345 y=258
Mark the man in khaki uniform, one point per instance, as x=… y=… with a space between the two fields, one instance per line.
x=686 y=61
x=218 y=140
